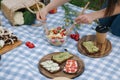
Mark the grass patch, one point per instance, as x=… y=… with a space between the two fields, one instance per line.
x=94 y=4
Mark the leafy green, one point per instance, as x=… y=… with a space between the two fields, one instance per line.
x=69 y=14
x=29 y=18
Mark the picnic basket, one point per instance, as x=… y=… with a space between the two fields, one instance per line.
x=9 y=7
x=0 y=22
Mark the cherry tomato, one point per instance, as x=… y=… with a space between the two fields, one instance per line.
x=75 y=36
x=29 y=44
x=53 y=11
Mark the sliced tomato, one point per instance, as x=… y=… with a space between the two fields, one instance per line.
x=55 y=31
x=63 y=30
x=62 y=33
x=59 y=28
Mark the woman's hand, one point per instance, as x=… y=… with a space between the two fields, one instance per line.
x=41 y=15
x=85 y=18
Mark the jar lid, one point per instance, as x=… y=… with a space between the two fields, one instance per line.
x=102 y=29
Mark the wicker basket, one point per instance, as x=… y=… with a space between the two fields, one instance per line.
x=0 y=21
x=9 y=7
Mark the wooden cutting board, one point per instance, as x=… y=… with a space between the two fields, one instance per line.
x=61 y=73
x=105 y=48
x=10 y=47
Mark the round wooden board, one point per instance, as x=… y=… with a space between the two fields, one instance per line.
x=61 y=73
x=105 y=48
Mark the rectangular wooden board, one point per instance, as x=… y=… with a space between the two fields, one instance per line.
x=10 y=47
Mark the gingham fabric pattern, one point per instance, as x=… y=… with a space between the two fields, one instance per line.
x=21 y=63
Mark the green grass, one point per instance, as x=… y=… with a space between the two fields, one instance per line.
x=0 y=4
x=94 y=4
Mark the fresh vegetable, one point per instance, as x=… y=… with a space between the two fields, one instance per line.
x=69 y=12
x=29 y=17
x=18 y=18
x=53 y=11
x=29 y=44
x=24 y=16
x=75 y=36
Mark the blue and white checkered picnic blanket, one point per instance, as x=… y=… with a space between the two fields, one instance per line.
x=21 y=63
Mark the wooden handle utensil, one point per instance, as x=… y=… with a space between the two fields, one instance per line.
x=82 y=12
x=43 y=22
x=73 y=25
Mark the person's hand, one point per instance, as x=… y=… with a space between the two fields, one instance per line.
x=41 y=15
x=85 y=18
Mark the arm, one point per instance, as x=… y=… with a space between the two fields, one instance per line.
x=100 y=13
x=41 y=15
x=88 y=18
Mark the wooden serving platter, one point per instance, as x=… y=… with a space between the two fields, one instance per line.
x=10 y=47
x=104 y=49
x=61 y=73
